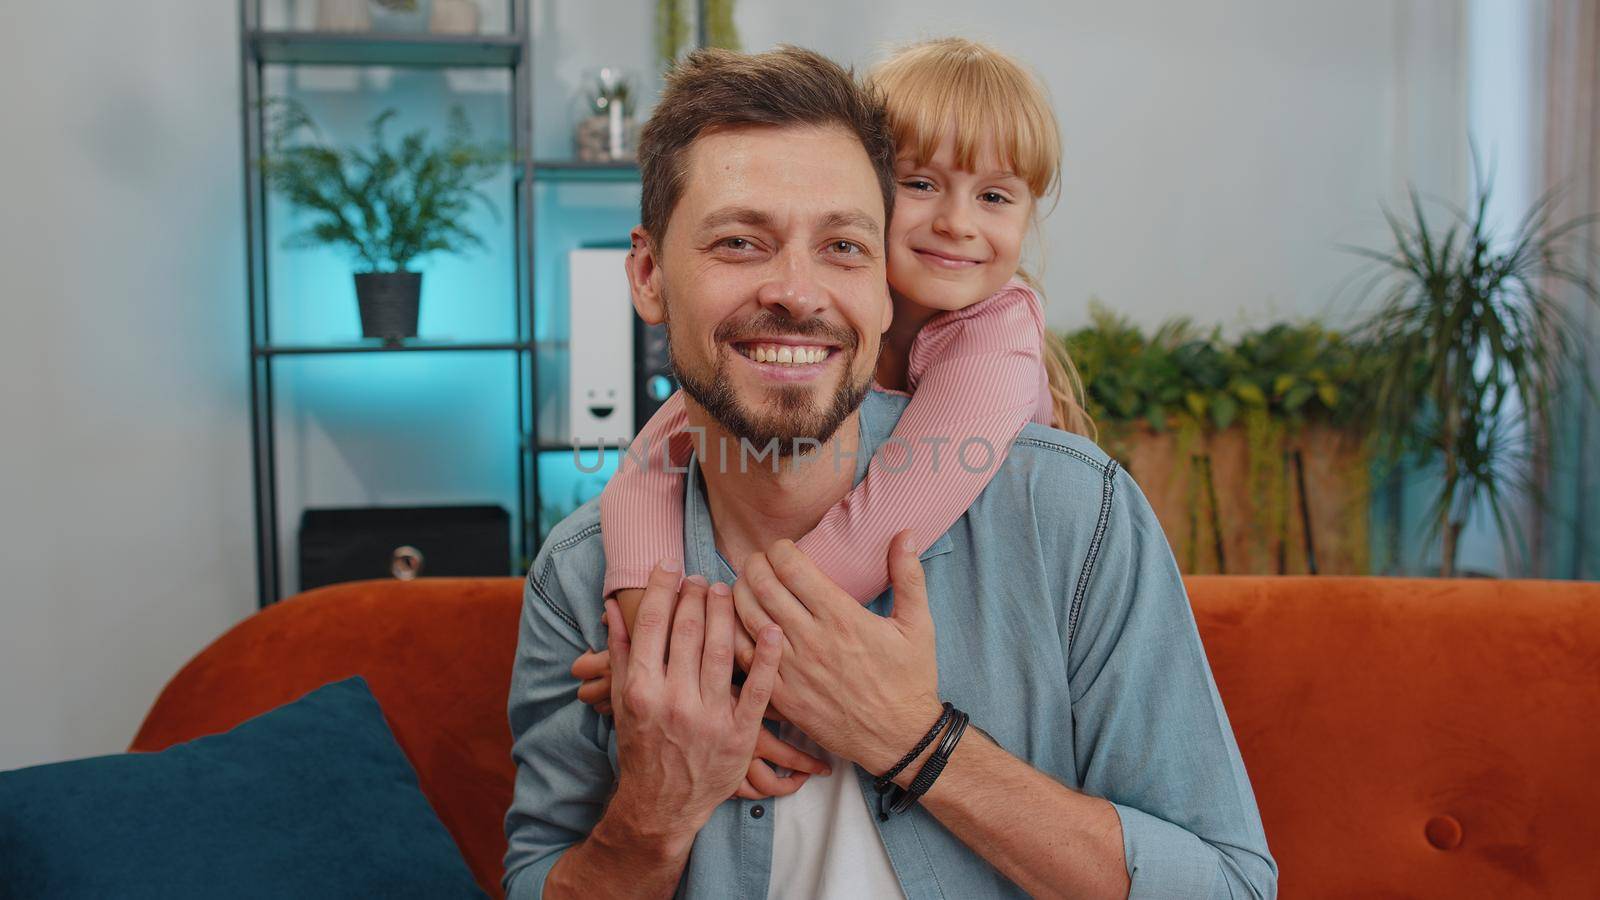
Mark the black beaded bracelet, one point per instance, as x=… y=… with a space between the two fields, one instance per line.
x=885 y=781
x=930 y=770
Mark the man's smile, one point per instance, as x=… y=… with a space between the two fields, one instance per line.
x=783 y=352
x=786 y=362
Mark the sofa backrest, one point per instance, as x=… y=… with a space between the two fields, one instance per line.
x=1403 y=737
x=436 y=653
x=1415 y=737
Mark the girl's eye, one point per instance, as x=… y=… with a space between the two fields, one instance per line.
x=994 y=197
x=917 y=184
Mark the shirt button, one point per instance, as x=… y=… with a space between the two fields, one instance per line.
x=757 y=811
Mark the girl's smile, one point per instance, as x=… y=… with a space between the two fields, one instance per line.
x=944 y=260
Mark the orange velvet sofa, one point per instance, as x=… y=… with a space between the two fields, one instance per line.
x=1405 y=738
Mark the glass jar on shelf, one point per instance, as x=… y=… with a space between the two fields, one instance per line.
x=607 y=131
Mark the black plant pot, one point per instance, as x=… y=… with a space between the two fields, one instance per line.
x=388 y=302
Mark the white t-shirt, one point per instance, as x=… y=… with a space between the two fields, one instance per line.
x=824 y=843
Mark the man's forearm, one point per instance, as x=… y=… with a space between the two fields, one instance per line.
x=616 y=860
x=996 y=804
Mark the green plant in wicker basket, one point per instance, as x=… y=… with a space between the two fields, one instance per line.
x=1271 y=381
x=1476 y=344
x=385 y=204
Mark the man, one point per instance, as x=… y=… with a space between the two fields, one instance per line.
x=1051 y=612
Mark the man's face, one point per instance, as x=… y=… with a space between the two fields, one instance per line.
x=771 y=280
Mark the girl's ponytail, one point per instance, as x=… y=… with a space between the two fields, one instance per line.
x=1067 y=397
x=1066 y=390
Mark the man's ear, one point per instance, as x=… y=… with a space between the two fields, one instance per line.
x=644 y=277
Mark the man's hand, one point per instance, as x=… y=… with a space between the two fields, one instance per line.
x=684 y=742
x=864 y=686
x=594 y=669
x=760 y=781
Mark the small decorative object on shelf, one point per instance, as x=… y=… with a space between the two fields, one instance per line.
x=343 y=15
x=402 y=16
x=608 y=132
x=454 y=17
x=388 y=206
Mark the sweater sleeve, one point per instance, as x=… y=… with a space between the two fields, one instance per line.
x=974 y=375
x=641 y=507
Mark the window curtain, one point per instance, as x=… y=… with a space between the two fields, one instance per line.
x=1568 y=524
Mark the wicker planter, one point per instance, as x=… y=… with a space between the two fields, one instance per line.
x=1224 y=511
x=389 y=303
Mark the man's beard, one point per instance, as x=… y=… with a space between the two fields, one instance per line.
x=789 y=417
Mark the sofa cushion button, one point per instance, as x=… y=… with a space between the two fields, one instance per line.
x=1443 y=832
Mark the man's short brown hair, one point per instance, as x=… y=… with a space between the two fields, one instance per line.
x=714 y=89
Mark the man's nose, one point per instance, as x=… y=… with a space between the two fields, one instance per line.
x=954 y=219
x=793 y=286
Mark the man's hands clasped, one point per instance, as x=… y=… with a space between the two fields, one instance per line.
x=864 y=686
x=684 y=740
x=861 y=685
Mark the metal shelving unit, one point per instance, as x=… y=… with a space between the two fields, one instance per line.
x=512 y=51
x=378 y=49
x=377 y=347
x=565 y=170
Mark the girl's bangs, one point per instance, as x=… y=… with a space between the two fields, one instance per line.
x=988 y=104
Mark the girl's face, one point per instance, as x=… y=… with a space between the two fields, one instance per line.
x=956 y=236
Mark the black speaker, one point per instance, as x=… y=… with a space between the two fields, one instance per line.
x=653 y=382
x=403 y=542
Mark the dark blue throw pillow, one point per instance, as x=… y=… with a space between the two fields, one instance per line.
x=312 y=799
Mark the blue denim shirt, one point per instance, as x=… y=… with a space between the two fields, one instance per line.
x=1062 y=628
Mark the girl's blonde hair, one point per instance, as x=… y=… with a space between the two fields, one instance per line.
x=978 y=94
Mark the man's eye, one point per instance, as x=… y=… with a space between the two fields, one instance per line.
x=736 y=243
x=848 y=248
x=994 y=197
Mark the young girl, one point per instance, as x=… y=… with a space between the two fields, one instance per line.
x=978 y=147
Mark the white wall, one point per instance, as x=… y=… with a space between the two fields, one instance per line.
x=125 y=485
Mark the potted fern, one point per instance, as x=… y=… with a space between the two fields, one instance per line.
x=1475 y=345
x=386 y=205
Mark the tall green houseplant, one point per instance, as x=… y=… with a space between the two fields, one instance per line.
x=1475 y=344
x=387 y=204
